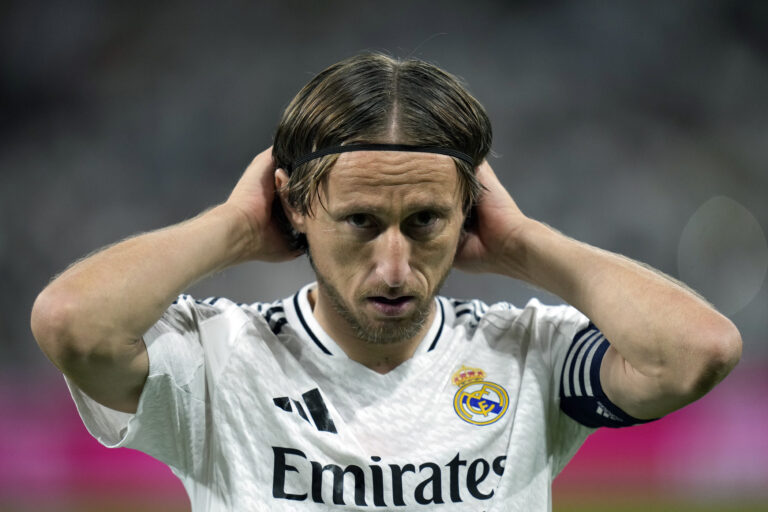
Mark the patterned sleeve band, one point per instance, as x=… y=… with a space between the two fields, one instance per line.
x=581 y=394
x=381 y=147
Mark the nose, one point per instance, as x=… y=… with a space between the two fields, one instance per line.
x=392 y=256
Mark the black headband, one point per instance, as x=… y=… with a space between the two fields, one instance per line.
x=381 y=147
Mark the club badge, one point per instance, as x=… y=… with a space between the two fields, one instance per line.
x=478 y=401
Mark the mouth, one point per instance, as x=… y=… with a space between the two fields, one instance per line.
x=393 y=306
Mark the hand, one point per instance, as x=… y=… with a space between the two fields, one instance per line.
x=253 y=198
x=488 y=245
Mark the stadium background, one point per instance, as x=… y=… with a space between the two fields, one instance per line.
x=639 y=127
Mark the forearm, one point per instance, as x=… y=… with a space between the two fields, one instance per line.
x=115 y=295
x=660 y=328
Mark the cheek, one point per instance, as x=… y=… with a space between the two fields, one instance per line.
x=434 y=257
x=430 y=254
x=336 y=255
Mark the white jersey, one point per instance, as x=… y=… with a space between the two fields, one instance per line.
x=254 y=407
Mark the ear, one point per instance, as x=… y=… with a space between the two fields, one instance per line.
x=296 y=218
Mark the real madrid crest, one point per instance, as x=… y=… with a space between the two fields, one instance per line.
x=478 y=401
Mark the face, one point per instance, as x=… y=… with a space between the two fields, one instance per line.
x=382 y=242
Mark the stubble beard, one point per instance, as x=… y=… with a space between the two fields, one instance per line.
x=393 y=332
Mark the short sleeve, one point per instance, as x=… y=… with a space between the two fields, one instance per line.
x=554 y=328
x=170 y=421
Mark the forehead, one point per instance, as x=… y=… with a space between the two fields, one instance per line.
x=392 y=176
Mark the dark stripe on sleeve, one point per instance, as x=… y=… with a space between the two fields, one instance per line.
x=477 y=311
x=580 y=371
x=272 y=311
x=278 y=325
x=589 y=405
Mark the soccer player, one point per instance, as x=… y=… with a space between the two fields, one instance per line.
x=367 y=389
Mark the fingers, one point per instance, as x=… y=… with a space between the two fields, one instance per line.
x=265 y=155
x=259 y=172
x=495 y=194
x=487 y=177
x=263 y=162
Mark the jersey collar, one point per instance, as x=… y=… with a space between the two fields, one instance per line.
x=299 y=314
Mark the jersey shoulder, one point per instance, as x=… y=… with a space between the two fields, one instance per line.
x=186 y=313
x=548 y=322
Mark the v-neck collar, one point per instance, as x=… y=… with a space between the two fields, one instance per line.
x=298 y=312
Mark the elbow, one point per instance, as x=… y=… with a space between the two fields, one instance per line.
x=718 y=352
x=71 y=333
x=726 y=352
x=52 y=323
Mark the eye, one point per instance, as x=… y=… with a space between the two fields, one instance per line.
x=423 y=224
x=360 y=221
x=423 y=219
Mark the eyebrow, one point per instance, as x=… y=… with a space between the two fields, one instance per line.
x=443 y=209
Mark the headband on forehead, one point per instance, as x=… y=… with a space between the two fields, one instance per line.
x=381 y=147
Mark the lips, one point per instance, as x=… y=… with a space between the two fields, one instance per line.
x=392 y=306
x=396 y=300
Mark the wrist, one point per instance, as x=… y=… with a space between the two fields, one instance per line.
x=519 y=260
x=240 y=242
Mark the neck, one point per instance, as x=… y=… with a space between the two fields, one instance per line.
x=379 y=357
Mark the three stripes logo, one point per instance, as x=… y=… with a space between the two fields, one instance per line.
x=474 y=311
x=315 y=405
x=581 y=393
x=274 y=314
x=578 y=369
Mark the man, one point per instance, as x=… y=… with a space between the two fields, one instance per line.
x=367 y=389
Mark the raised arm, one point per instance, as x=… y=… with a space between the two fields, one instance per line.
x=89 y=320
x=668 y=346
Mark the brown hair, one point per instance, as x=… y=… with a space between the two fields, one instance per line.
x=374 y=98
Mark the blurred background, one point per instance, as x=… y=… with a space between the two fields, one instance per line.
x=639 y=127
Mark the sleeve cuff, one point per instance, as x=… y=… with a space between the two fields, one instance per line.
x=581 y=393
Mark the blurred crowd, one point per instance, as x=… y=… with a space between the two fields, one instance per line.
x=639 y=127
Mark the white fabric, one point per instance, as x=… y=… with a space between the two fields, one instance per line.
x=207 y=410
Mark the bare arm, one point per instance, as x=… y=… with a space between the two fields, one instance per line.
x=90 y=319
x=668 y=346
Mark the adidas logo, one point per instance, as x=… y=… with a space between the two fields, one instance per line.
x=314 y=403
x=601 y=410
